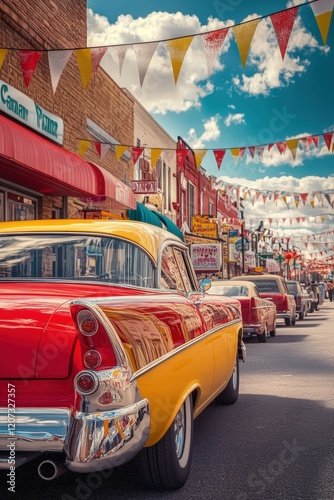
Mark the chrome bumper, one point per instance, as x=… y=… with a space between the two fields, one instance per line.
x=90 y=441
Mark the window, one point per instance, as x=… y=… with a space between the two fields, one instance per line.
x=191 y=201
x=65 y=256
x=159 y=170
x=268 y=286
x=169 y=194
x=210 y=207
x=174 y=271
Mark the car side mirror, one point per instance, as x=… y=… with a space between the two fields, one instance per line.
x=204 y=284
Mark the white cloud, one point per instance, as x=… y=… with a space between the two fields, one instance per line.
x=211 y=133
x=159 y=93
x=236 y=119
x=265 y=60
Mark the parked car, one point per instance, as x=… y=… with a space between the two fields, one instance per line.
x=301 y=299
x=258 y=314
x=272 y=286
x=109 y=349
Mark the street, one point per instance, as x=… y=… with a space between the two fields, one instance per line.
x=276 y=442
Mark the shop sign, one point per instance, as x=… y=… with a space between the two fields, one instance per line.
x=144 y=187
x=238 y=244
x=206 y=257
x=202 y=225
x=24 y=109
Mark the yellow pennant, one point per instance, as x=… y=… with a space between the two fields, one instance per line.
x=243 y=34
x=120 y=150
x=3 y=53
x=199 y=155
x=324 y=21
x=155 y=153
x=293 y=145
x=84 y=58
x=312 y=203
x=235 y=153
x=177 y=51
x=83 y=146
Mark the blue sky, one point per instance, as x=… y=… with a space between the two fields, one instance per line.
x=269 y=100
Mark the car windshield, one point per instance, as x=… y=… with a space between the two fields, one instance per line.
x=267 y=286
x=292 y=287
x=67 y=256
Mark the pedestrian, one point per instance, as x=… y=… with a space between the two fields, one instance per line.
x=330 y=286
x=322 y=290
x=315 y=290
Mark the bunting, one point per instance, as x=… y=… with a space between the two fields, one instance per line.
x=89 y=58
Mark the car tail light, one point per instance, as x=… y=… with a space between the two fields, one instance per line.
x=86 y=383
x=96 y=345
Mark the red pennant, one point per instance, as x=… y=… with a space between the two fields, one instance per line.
x=328 y=139
x=28 y=62
x=252 y=150
x=315 y=139
x=180 y=156
x=242 y=152
x=304 y=197
x=135 y=153
x=219 y=155
x=97 y=53
x=98 y=147
x=281 y=146
x=270 y=146
x=283 y=23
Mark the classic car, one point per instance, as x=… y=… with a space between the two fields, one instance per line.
x=312 y=299
x=273 y=287
x=258 y=314
x=109 y=348
x=301 y=298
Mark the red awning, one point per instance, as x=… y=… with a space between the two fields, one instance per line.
x=28 y=159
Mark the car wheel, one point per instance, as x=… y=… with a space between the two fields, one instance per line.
x=293 y=320
x=287 y=321
x=273 y=332
x=166 y=465
x=262 y=337
x=231 y=392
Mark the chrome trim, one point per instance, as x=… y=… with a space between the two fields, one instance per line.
x=181 y=348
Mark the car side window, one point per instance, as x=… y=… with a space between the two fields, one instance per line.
x=174 y=272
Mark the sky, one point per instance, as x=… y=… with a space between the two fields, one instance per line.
x=267 y=101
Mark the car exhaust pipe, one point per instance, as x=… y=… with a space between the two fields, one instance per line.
x=51 y=469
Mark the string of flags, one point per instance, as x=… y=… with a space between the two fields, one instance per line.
x=89 y=58
x=314 y=198
x=306 y=143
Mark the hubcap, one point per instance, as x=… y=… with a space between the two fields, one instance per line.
x=179 y=431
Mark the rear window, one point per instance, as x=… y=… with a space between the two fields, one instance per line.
x=268 y=286
x=292 y=287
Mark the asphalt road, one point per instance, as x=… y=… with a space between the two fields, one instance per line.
x=276 y=442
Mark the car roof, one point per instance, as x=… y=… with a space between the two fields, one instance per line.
x=259 y=277
x=148 y=236
x=232 y=283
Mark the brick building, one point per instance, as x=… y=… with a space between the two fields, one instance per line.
x=41 y=174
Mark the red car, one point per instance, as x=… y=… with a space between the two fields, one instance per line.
x=274 y=287
x=258 y=314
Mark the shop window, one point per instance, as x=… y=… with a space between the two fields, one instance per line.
x=20 y=207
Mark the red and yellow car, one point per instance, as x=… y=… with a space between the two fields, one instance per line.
x=109 y=349
x=258 y=314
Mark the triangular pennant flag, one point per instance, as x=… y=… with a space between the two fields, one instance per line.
x=177 y=50
x=328 y=139
x=322 y=11
x=257 y=195
x=243 y=34
x=144 y=53
x=155 y=153
x=293 y=146
x=252 y=151
x=235 y=154
x=118 y=54
x=315 y=139
x=83 y=146
x=57 y=62
x=28 y=62
x=180 y=156
x=120 y=150
x=312 y=203
x=281 y=146
x=97 y=53
x=199 y=155
x=264 y=198
x=283 y=23
x=276 y=196
x=304 y=197
x=270 y=146
x=259 y=150
x=135 y=153
x=242 y=153
x=213 y=42
x=219 y=156
x=3 y=53
x=102 y=148
x=296 y=196
x=84 y=58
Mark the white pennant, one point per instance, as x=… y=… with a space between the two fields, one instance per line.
x=57 y=62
